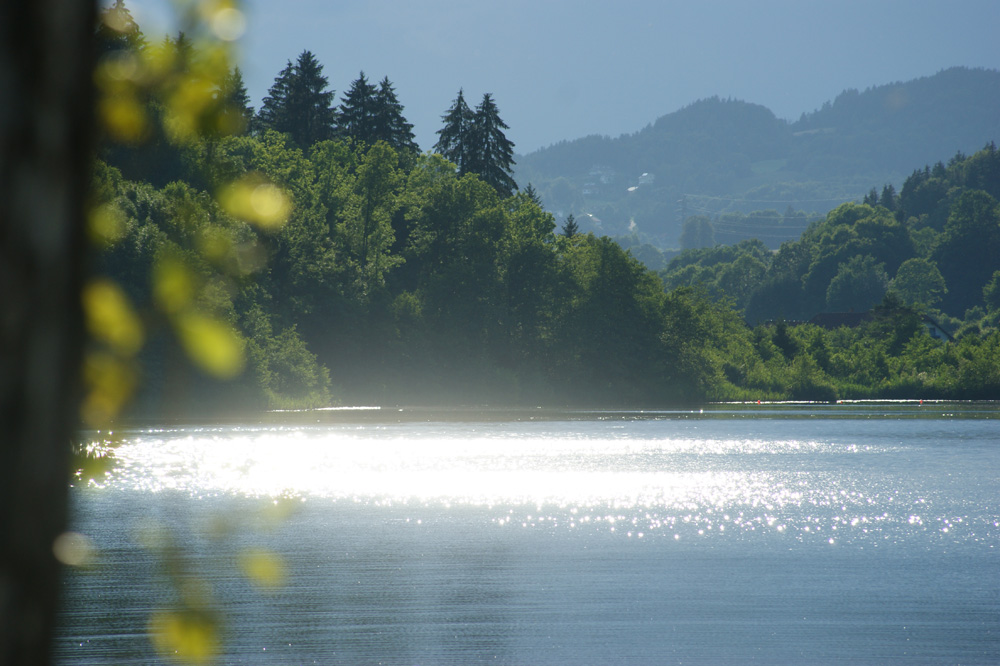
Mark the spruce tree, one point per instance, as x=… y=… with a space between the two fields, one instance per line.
x=273 y=110
x=357 y=112
x=492 y=153
x=299 y=104
x=117 y=31
x=571 y=228
x=888 y=199
x=532 y=195
x=237 y=114
x=454 y=140
x=389 y=124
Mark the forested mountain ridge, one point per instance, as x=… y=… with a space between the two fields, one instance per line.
x=719 y=156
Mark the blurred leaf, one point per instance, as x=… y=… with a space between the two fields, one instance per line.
x=186 y=107
x=256 y=200
x=264 y=568
x=110 y=381
x=211 y=343
x=228 y=23
x=73 y=549
x=173 y=283
x=214 y=244
x=276 y=513
x=110 y=317
x=124 y=118
x=186 y=637
x=106 y=224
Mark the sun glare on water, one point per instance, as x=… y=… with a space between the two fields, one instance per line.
x=672 y=486
x=464 y=468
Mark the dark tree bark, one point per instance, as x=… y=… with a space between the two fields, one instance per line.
x=45 y=98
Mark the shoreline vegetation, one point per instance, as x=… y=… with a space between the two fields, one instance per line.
x=311 y=255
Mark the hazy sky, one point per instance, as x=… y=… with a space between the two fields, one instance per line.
x=563 y=69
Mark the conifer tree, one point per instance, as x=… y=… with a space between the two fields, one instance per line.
x=888 y=199
x=389 y=124
x=273 y=111
x=357 y=111
x=454 y=142
x=237 y=114
x=118 y=31
x=571 y=228
x=492 y=153
x=532 y=195
x=299 y=104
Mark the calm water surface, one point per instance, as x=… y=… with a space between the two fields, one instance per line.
x=778 y=535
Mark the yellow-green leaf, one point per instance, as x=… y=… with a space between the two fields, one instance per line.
x=257 y=201
x=211 y=343
x=264 y=568
x=173 y=284
x=110 y=317
x=185 y=637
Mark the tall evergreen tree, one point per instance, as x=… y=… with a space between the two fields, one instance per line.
x=532 y=195
x=237 y=114
x=888 y=199
x=299 y=104
x=571 y=228
x=454 y=140
x=389 y=124
x=273 y=112
x=357 y=111
x=492 y=153
x=118 y=31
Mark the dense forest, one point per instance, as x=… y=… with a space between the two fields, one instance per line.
x=723 y=157
x=309 y=253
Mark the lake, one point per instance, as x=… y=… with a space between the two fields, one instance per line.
x=774 y=534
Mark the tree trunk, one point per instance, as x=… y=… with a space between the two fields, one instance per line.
x=45 y=102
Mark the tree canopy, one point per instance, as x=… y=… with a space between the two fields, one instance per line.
x=299 y=103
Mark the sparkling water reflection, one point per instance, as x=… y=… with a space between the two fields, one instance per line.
x=533 y=537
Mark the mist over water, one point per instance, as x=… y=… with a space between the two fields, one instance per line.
x=789 y=535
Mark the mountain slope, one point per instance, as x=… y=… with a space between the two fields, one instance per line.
x=717 y=156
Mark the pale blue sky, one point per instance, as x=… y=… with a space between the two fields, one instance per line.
x=563 y=69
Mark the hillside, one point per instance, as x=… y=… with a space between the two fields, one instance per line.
x=719 y=156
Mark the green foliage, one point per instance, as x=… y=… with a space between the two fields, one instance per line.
x=287 y=373
x=299 y=104
x=492 y=153
x=697 y=233
x=969 y=250
x=347 y=265
x=571 y=228
x=475 y=142
x=733 y=154
x=454 y=138
x=369 y=114
x=991 y=292
x=859 y=284
x=919 y=282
